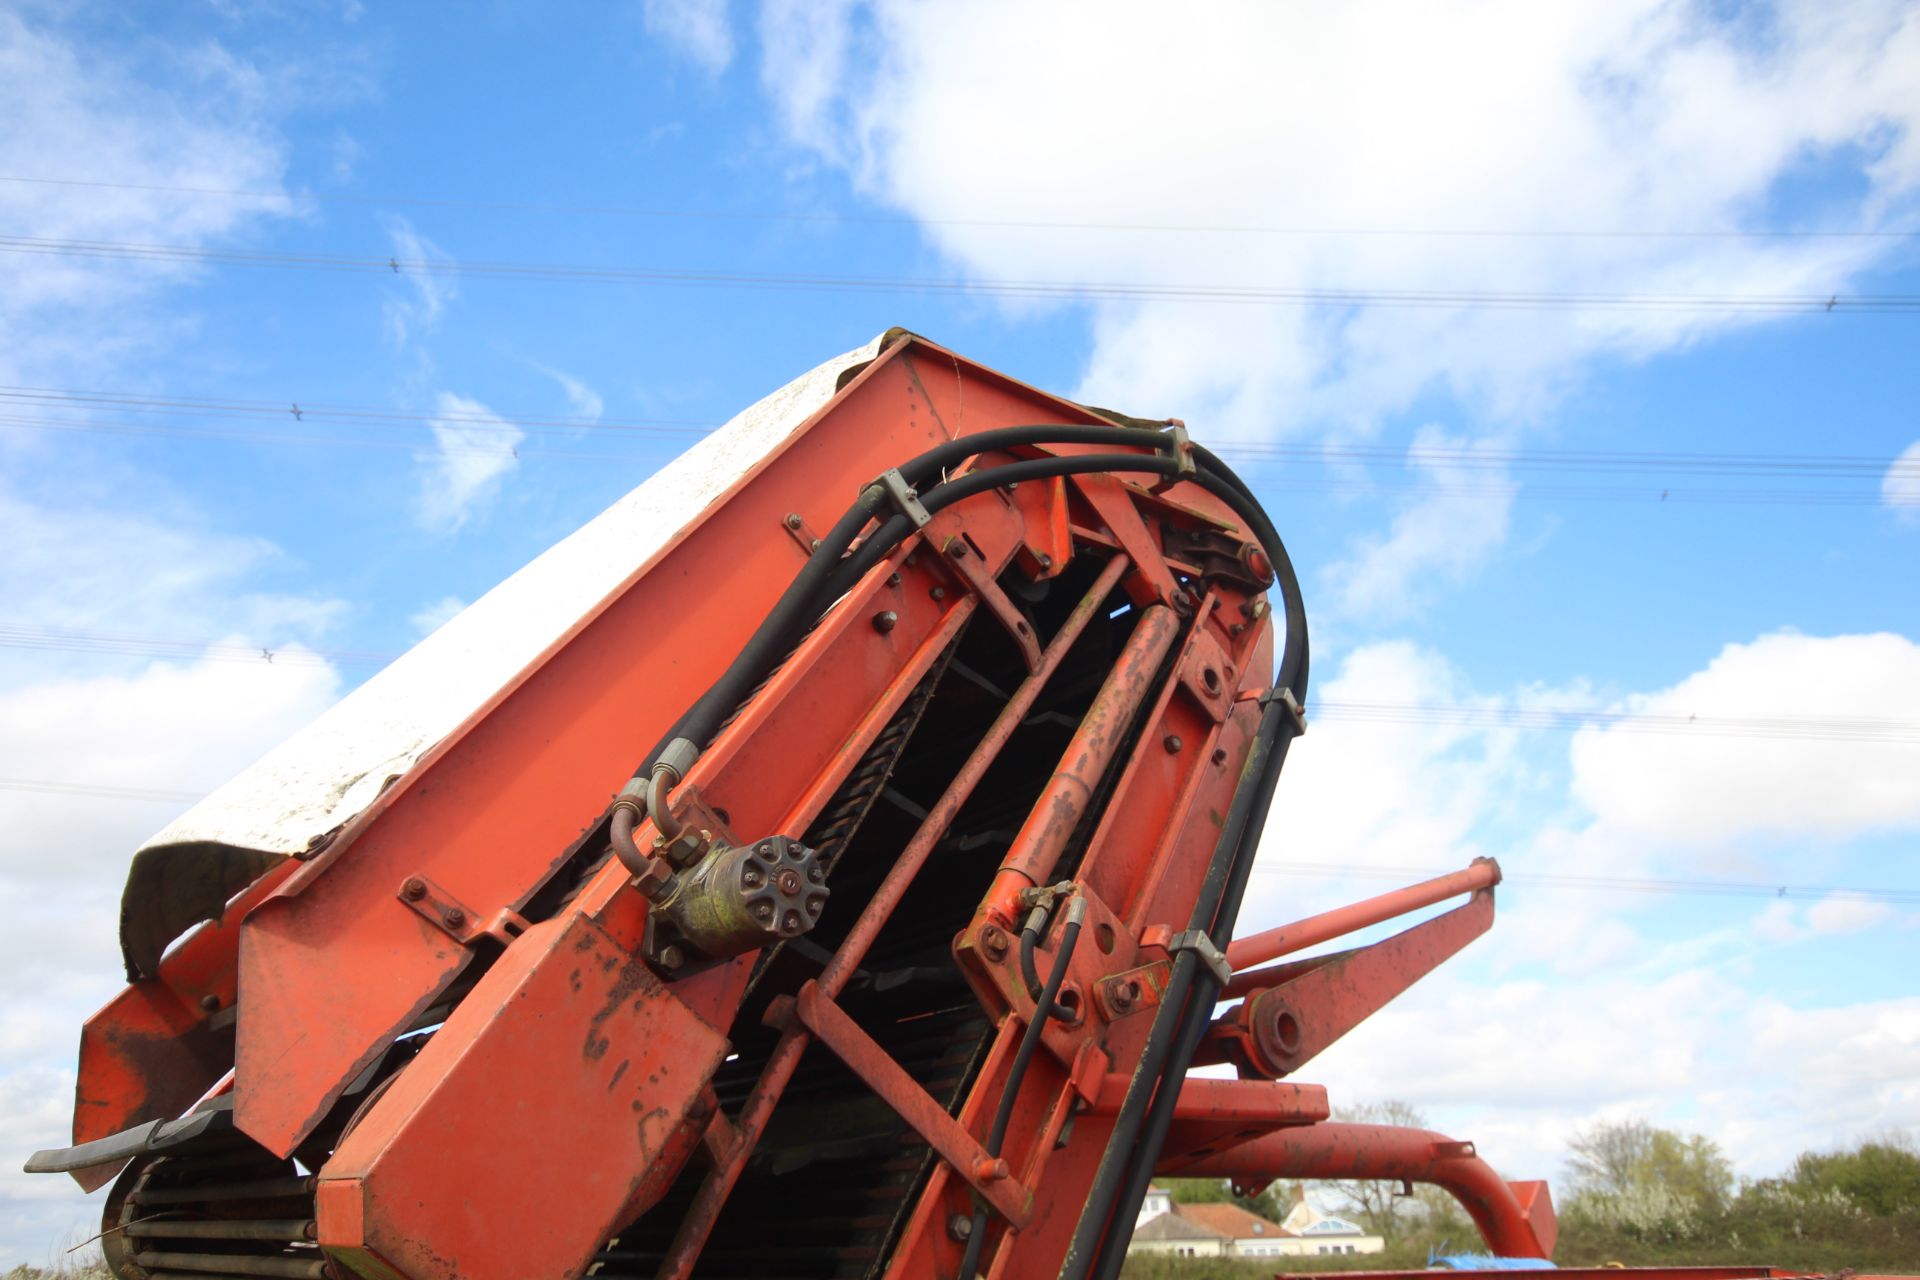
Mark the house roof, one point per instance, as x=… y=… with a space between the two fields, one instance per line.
x=1232 y=1221
x=1173 y=1225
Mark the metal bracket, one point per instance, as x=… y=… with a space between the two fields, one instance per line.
x=440 y=909
x=1197 y=941
x=1292 y=704
x=1180 y=446
x=905 y=499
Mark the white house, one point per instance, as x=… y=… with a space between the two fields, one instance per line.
x=1221 y=1229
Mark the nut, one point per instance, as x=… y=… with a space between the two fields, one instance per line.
x=414 y=889
x=885 y=620
x=993 y=941
x=1172 y=743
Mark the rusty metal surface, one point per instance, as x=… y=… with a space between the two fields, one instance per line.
x=1280 y=1027
x=554 y=1101
x=1511 y=1226
x=575 y=1076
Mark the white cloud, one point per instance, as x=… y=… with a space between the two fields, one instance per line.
x=475 y=451
x=1708 y=789
x=1840 y=914
x=1900 y=487
x=1438 y=537
x=581 y=398
x=413 y=310
x=85 y=115
x=696 y=29
x=126 y=723
x=429 y=618
x=1582 y=1004
x=1611 y=118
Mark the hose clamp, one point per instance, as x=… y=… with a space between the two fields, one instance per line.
x=1198 y=942
x=905 y=500
x=1180 y=446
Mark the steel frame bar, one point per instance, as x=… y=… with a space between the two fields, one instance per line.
x=1064 y=799
x=1270 y=944
x=987 y=1174
x=1510 y=1228
x=1277 y=1029
x=759 y=1106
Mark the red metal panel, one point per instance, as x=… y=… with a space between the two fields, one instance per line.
x=159 y=1045
x=560 y=1097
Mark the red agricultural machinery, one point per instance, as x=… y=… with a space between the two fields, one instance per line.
x=758 y=885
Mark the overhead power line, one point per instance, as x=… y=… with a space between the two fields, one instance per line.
x=1245 y=295
x=1451 y=470
x=1628 y=884
x=1645 y=494
x=286 y=198
x=1866 y=729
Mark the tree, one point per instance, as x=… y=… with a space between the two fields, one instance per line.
x=1881 y=1175
x=1632 y=1157
x=1217 y=1191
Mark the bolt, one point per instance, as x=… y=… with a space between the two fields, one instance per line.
x=1219 y=756
x=938 y=593
x=893 y=579
x=1182 y=603
x=455 y=918
x=790 y=923
x=414 y=889
x=884 y=620
x=960 y=1227
x=793 y=520
x=1046 y=561
x=1118 y=999
x=210 y=1003
x=994 y=942
x=957 y=549
x=672 y=957
x=751 y=878
x=788 y=882
x=816 y=873
x=1172 y=743
x=991 y=1169
x=764 y=913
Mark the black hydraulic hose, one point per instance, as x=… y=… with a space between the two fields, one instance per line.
x=1197 y=1017
x=1029 y=969
x=1043 y=1010
x=929 y=465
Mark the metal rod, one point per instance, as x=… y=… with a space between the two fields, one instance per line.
x=254 y=1189
x=759 y=1105
x=282 y=1229
x=237 y=1264
x=1271 y=944
x=1390 y=1153
x=1064 y=800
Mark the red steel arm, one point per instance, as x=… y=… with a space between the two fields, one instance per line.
x=1515 y=1219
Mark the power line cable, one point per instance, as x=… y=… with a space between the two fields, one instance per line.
x=1648 y=495
x=1866 y=729
x=1757 y=304
x=284 y=198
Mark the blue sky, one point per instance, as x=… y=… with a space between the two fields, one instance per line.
x=1416 y=457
